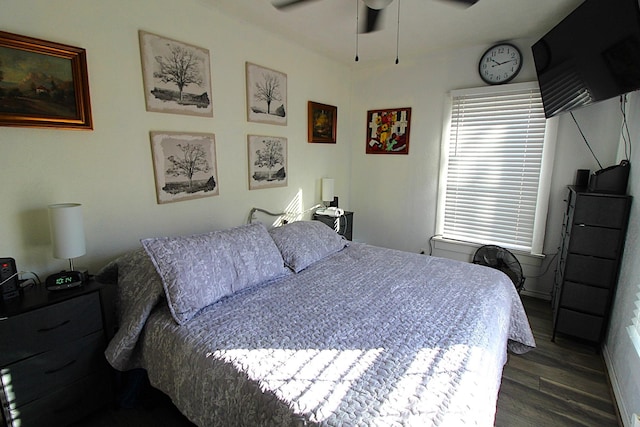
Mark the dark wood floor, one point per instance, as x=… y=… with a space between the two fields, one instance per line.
x=557 y=384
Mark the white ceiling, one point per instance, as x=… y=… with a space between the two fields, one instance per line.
x=329 y=26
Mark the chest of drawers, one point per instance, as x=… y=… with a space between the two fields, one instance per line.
x=52 y=365
x=594 y=232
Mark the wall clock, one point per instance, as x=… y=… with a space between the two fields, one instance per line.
x=500 y=63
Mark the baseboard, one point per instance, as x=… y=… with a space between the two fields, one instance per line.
x=536 y=294
x=623 y=414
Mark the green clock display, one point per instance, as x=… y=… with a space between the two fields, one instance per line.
x=65 y=280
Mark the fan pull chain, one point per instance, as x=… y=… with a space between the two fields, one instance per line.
x=397 y=34
x=357 y=27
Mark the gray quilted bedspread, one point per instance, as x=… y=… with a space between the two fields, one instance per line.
x=366 y=337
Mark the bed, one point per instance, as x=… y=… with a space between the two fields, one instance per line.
x=297 y=326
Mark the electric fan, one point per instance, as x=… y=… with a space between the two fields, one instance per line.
x=501 y=259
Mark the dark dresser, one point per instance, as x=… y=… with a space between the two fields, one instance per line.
x=593 y=236
x=51 y=356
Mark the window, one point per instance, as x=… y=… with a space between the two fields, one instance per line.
x=496 y=165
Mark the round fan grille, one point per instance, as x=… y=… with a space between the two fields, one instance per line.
x=501 y=259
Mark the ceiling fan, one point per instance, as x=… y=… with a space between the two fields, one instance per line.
x=374 y=10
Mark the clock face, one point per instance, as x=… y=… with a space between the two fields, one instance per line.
x=500 y=64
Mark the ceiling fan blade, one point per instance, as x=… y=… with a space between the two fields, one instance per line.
x=284 y=4
x=372 y=21
x=467 y=3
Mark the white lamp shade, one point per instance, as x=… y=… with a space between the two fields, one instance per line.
x=67 y=230
x=327 y=189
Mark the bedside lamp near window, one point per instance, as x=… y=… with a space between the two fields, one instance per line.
x=67 y=237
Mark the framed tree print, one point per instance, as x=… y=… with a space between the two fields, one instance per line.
x=267 y=161
x=322 y=120
x=43 y=84
x=388 y=131
x=176 y=76
x=184 y=165
x=266 y=95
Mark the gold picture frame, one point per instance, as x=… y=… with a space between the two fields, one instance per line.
x=44 y=84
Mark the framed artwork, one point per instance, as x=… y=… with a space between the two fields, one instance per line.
x=184 y=165
x=43 y=84
x=176 y=76
x=267 y=161
x=266 y=95
x=322 y=122
x=388 y=131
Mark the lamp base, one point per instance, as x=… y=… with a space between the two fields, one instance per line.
x=66 y=280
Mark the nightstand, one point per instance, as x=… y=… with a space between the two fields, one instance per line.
x=52 y=362
x=342 y=224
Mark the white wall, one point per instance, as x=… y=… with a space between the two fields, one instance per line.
x=394 y=197
x=623 y=360
x=109 y=169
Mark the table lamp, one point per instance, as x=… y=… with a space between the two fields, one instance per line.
x=67 y=237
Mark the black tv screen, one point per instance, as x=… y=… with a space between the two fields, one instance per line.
x=591 y=55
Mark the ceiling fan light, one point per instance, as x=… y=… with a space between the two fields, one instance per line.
x=377 y=4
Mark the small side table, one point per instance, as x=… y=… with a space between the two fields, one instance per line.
x=342 y=224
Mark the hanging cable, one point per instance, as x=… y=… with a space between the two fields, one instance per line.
x=626 y=138
x=357 y=28
x=585 y=139
x=398 y=33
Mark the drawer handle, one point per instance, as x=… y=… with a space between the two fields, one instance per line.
x=581 y=225
x=53 y=371
x=53 y=327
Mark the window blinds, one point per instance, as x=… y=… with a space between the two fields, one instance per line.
x=493 y=167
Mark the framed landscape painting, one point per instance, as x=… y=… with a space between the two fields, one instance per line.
x=184 y=165
x=267 y=161
x=388 y=131
x=43 y=84
x=322 y=120
x=176 y=76
x=266 y=95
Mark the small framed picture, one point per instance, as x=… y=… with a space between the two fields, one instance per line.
x=388 y=131
x=267 y=161
x=184 y=165
x=266 y=95
x=176 y=76
x=322 y=122
x=43 y=84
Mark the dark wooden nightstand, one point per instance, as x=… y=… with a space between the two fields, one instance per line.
x=342 y=224
x=52 y=356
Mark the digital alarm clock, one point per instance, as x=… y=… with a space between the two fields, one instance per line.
x=65 y=280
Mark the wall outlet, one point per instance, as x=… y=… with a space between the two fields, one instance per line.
x=635 y=420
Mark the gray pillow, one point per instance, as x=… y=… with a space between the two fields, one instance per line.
x=302 y=243
x=198 y=270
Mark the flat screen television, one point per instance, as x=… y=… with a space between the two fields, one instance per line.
x=591 y=55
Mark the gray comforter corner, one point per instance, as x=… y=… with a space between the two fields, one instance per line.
x=367 y=336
